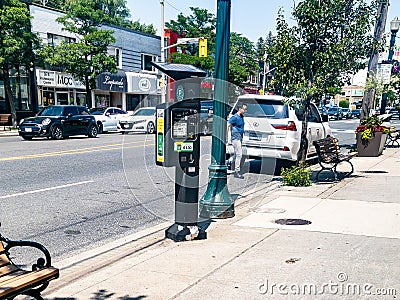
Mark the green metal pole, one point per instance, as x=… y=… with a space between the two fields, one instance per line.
x=217 y=201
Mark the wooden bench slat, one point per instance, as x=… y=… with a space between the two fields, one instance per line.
x=22 y=282
x=7 y=269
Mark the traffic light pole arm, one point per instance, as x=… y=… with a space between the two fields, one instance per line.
x=183 y=42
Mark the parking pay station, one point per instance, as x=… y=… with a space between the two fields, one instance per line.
x=178 y=145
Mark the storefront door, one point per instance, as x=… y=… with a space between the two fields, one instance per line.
x=62 y=98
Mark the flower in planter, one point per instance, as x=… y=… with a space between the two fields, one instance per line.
x=369 y=126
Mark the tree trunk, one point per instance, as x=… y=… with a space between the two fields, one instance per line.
x=302 y=154
x=9 y=94
x=369 y=96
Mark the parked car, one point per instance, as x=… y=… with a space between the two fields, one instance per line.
x=394 y=112
x=322 y=110
x=206 y=116
x=107 y=117
x=57 y=122
x=346 y=113
x=356 y=113
x=273 y=129
x=142 y=120
x=335 y=113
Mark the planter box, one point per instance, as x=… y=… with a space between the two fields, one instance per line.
x=374 y=146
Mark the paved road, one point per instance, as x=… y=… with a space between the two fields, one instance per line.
x=79 y=193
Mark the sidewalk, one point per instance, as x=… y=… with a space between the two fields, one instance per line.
x=349 y=251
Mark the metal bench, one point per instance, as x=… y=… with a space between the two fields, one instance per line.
x=329 y=156
x=393 y=137
x=16 y=281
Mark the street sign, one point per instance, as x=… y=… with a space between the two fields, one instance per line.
x=383 y=73
x=187 y=40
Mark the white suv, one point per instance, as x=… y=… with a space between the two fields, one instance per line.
x=273 y=129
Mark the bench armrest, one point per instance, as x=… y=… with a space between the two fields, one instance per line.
x=41 y=262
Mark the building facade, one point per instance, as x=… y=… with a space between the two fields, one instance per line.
x=135 y=83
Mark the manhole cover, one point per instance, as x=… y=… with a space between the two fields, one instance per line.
x=292 y=222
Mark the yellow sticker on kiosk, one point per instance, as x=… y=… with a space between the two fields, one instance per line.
x=183 y=146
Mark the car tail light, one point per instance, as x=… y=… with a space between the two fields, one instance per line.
x=289 y=126
x=286 y=148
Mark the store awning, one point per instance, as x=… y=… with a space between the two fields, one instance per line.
x=113 y=82
x=179 y=71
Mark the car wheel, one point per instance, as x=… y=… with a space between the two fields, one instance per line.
x=27 y=138
x=92 y=133
x=150 y=128
x=99 y=128
x=56 y=133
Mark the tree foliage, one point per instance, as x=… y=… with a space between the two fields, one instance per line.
x=17 y=43
x=87 y=58
x=331 y=40
x=201 y=23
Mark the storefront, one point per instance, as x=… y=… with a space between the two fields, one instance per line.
x=110 y=90
x=143 y=90
x=56 y=88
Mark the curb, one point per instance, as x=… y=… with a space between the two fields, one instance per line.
x=74 y=268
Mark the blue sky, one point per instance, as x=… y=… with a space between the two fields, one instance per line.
x=252 y=18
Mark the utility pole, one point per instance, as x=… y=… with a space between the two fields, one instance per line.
x=162 y=57
x=369 y=96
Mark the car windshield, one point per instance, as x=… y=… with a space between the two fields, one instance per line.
x=97 y=110
x=51 y=111
x=260 y=108
x=144 y=112
x=333 y=109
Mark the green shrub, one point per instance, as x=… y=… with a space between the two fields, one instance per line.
x=344 y=103
x=296 y=175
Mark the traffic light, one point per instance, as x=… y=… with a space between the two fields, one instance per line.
x=202 y=47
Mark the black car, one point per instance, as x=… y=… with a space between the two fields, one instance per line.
x=335 y=112
x=356 y=113
x=59 y=121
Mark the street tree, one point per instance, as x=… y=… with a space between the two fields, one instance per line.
x=201 y=23
x=316 y=57
x=87 y=58
x=17 y=45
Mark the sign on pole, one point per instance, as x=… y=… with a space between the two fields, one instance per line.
x=383 y=73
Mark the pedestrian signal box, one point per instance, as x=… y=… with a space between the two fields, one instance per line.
x=178 y=140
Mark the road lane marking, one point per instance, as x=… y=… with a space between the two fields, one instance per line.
x=46 y=189
x=75 y=151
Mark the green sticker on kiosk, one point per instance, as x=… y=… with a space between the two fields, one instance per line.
x=183 y=146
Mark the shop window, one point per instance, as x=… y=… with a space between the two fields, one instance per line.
x=146 y=60
x=117 y=52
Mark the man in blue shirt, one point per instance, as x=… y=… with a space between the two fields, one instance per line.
x=236 y=126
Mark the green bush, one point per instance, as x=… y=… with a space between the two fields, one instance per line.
x=344 y=103
x=296 y=175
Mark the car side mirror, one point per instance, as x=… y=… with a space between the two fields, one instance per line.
x=69 y=115
x=107 y=114
x=325 y=118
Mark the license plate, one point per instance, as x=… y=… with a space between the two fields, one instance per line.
x=27 y=129
x=254 y=137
